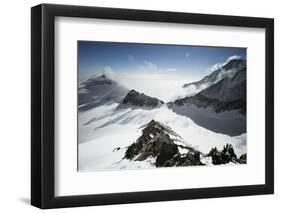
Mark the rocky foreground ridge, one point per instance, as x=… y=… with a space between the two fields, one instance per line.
x=168 y=148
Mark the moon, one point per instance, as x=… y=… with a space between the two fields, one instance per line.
x=187 y=54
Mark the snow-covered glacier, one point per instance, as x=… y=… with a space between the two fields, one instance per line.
x=105 y=133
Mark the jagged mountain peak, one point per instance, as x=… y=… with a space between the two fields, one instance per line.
x=229 y=69
x=100 y=90
x=162 y=143
x=134 y=92
x=137 y=99
x=156 y=126
x=94 y=81
x=228 y=89
x=220 y=107
x=169 y=150
x=234 y=63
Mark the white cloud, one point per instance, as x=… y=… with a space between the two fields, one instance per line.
x=109 y=73
x=214 y=67
x=149 y=65
x=144 y=66
x=171 y=69
x=132 y=58
x=164 y=85
x=219 y=65
x=232 y=58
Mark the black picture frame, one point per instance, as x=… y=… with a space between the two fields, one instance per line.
x=43 y=102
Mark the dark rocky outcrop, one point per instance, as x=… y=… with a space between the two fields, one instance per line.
x=91 y=83
x=167 y=152
x=243 y=158
x=188 y=159
x=162 y=143
x=227 y=155
x=156 y=142
x=134 y=98
x=150 y=142
x=202 y=101
x=116 y=149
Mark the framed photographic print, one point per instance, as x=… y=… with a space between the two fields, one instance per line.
x=140 y=106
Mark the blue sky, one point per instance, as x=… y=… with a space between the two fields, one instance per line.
x=94 y=57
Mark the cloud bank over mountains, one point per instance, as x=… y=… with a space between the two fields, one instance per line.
x=152 y=80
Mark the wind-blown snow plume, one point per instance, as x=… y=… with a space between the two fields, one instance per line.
x=218 y=71
x=220 y=65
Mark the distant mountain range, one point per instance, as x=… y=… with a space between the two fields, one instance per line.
x=227 y=70
x=124 y=128
x=228 y=89
x=225 y=95
x=219 y=107
x=99 y=90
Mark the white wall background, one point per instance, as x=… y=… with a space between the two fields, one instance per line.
x=15 y=105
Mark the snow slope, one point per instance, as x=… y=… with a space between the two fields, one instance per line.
x=228 y=89
x=228 y=122
x=105 y=132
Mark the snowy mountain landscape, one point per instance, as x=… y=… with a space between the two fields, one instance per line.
x=122 y=126
x=227 y=69
x=220 y=107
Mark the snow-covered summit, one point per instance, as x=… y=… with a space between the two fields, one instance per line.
x=100 y=90
x=226 y=95
x=228 y=89
x=220 y=107
x=229 y=69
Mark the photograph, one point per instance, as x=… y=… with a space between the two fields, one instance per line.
x=134 y=105
x=146 y=105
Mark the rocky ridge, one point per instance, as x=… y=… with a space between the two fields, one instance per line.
x=229 y=69
x=137 y=99
x=226 y=95
x=168 y=148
